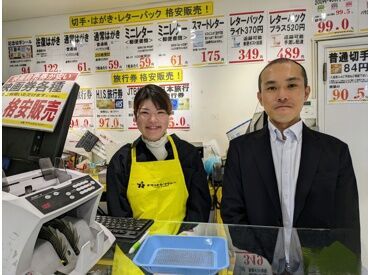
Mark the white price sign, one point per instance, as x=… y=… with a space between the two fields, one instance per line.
x=246 y=37
x=108 y=49
x=208 y=41
x=347 y=75
x=334 y=17
x=287 y=34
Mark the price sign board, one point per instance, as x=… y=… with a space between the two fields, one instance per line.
x=347 y=70
x=139 y=46
x=49 y=55
x=246 y=37
x=109 y=108
x=20 y=53
x=208 y=41
x=108 y=50
x=334 y=17
x=287 y=34
x=173 y=39
x=83 y=114
x=78 y=52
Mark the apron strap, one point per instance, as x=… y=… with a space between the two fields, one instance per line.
x=174 y=149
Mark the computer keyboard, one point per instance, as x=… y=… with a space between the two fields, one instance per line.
x=125 y=228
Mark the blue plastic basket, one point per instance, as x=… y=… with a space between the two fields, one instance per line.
x=183 y=254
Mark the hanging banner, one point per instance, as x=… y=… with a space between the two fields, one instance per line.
x=179 y=94
x=347 y=70
x=208 y=41
x=287 y=35
x=108 y=50
x=109 y=108
x=20 y=53
x=78 y=52
x=139 y=47
x=36 y=100
x=334 y=17
x=143 y=15
x=49 y=54
x=83 y=113
x=173 y=39
x=154 y=76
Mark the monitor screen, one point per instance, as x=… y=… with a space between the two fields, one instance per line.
x=22 y=148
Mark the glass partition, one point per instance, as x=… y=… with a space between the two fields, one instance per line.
x=262 y=250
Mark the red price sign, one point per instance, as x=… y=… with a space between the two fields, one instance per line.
x=176 y=60
x=248 y=55
x=145 y=62
x=360 y=94
x=338 y=94
x=109 y=123
x=80 y=123
x=25 y=70
x=290 y=52
x=50 y=67
x=328 y=26
x=113 y=64
x=211 y=56
x=82 y=67
x=178 y=122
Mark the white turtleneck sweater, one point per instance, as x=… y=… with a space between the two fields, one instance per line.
x=157 y=148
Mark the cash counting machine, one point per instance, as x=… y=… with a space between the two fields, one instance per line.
x=48 y=222
x=25 y=216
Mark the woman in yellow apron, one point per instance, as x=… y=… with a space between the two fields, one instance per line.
x=159 y=176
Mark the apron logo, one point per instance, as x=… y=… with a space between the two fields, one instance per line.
x=155 y=185
x=140 y=184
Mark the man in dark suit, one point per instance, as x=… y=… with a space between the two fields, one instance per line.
x=285 y=174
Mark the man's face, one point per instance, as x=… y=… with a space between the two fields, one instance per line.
x=151 y=122
x=283 y=93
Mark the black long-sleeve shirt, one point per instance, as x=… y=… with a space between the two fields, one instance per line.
x=199 y=201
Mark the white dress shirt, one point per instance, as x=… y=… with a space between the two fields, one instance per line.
x=286 y=153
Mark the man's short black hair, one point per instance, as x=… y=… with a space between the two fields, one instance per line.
x=281 y=61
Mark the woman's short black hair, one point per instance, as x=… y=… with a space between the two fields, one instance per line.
x=156 y=94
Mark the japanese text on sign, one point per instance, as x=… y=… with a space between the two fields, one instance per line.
x=109 y=108
x=333 y=17
x=246 y=35
x=347 y=76
x=147 y=76
x=287 y=32
x=20 y=52
x=124 y=17
x=208 y=41
x=173 y=39
x=35 y=100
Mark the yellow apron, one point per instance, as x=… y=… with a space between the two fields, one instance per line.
x=157 y=190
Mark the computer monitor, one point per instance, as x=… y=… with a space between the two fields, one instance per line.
x=22 y=148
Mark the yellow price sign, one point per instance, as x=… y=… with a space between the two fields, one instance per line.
x=154 y=76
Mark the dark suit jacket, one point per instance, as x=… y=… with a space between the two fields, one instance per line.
x=326 y=192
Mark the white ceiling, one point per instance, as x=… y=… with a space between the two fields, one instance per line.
x=24 y=9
